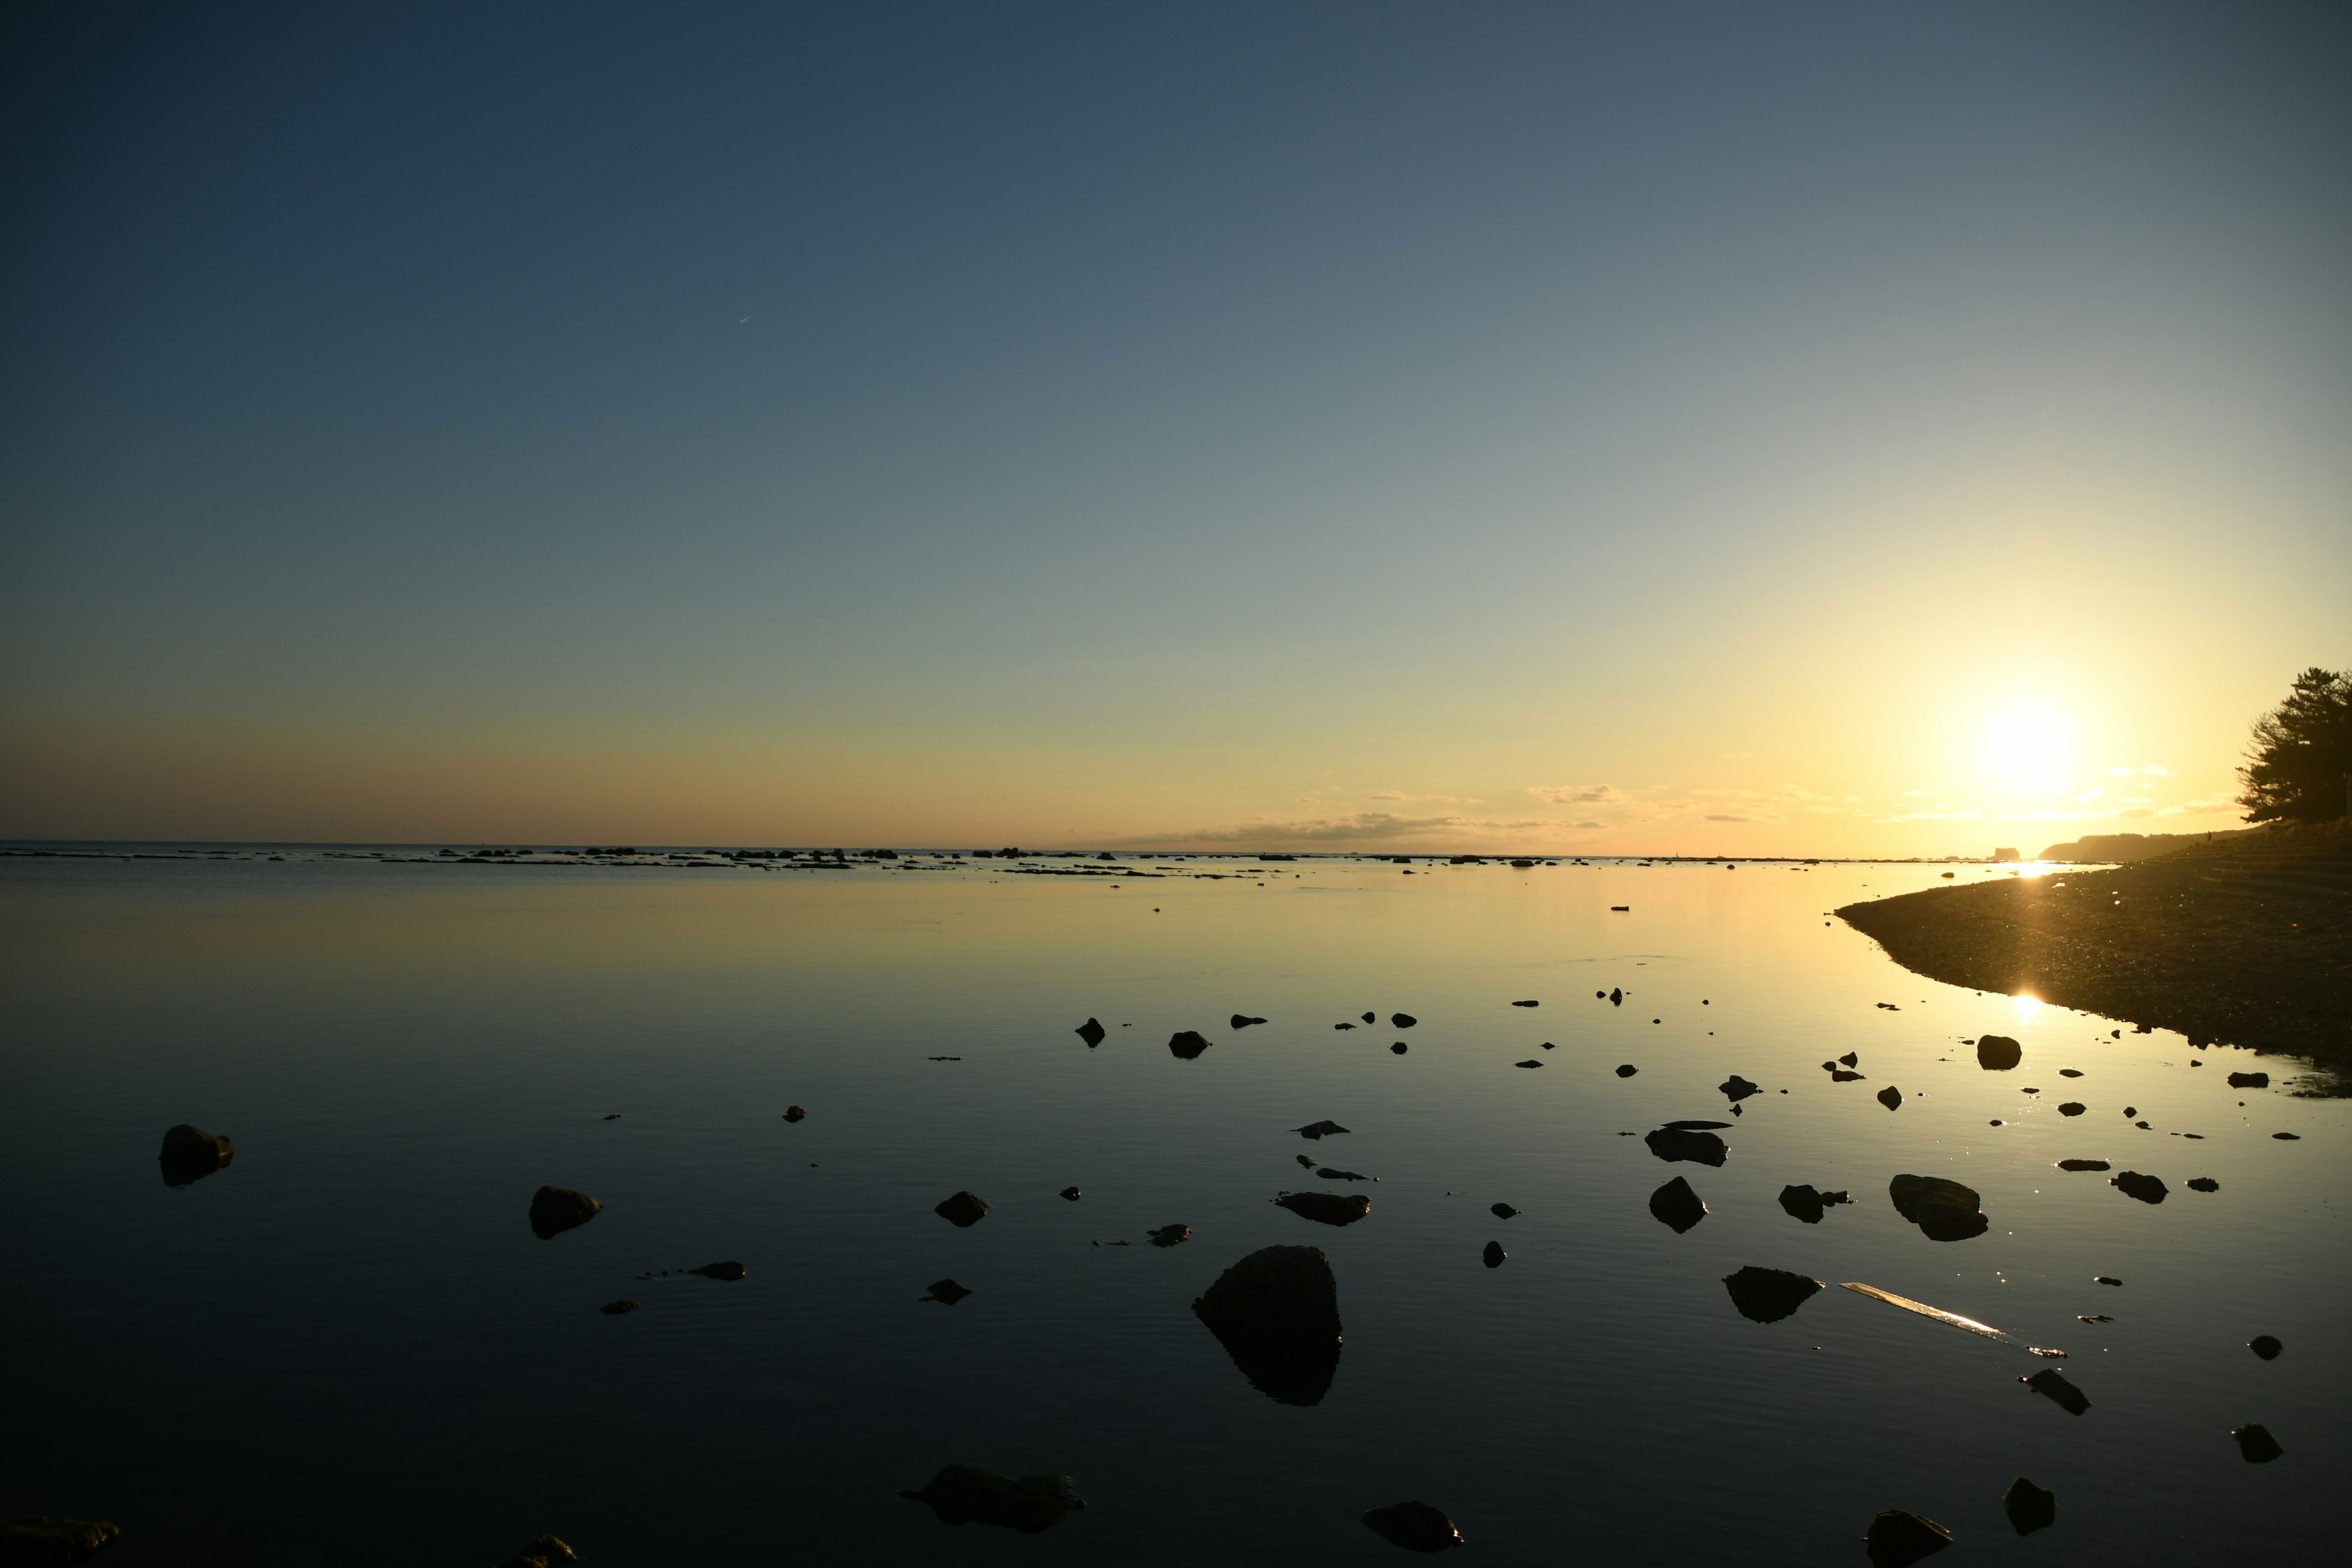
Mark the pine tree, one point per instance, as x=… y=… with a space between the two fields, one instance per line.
x=2295 y=770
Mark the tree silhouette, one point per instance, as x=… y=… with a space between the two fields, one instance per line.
x=2295 y=770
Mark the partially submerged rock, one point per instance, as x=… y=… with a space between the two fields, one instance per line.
x=2084 y=1166
x=547 y=1552
x=614 y=1308
x=2249 y=1081
x=2255 y=1442
x=1677 y=1206
x=964 y=1494
x=946 y=1292
x=1998 y=1053
x=190 y=1155
x=1898 y=1538
x=1186 y=1045
x=1501 y=1211
x=1398 y=1048
x=1403 y=1020
x=1170 y=1234
x=1891 y=1097
x=2146 y=1189
x=1327 y=1208
x=1073 y=1193
x=1092 y=1032
x=554 y=1210
x=1493 y=1255
x=2203 y=1184
x=1736 y=1088
x=1946 y=1211
x=728 y=1270
x=42 y=1538
x=1331 y=1174
x=1768 y=1295
x=1323 y=1129
x=2266 y=1346
x=1530 y=1062
x=2073 y=1107
x=1277 y=1312
x=1243 y=1021
x=1801 y=1203
x=2029 y=1508
x=2052 y=1385
x=1416 y=1526
x=1674 y=1143
x=962 y=1209
x=1626 y=1069
x=794 y=1113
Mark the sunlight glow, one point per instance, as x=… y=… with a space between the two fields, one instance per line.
x=2029 y=748
x=2028 y=1007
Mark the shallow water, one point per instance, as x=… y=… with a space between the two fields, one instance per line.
x=349 y=1344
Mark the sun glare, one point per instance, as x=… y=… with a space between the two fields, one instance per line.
x=2029 y=747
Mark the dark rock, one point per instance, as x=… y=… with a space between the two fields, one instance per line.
x=1343 y=1025
x=2203 y=1184
x=1323 y=1129
x=729 y=1270
x=614 y=1308
x=1768 y=1295
x=1999 y=1053
x=1371 y=1018
x=1415 y=1526
x=1617 y=998
x=1186 y=1045
x=1831 y=1199
x=1072 y=1194
x=1530 y=1062
x=1092 y=1032
x=946 y=1292
x=41 y=1539
x=2077 y=1072
x=2249 y=1081
x=2146 y=1189
x=2266 y=1346
x=1852 y=1059
x=961 y=1494
x=1403 y=1020
x=2106 y=1280
x=1243 y=1021
x=1737 y=1088
x=1673 y=1143
x=1946 y=1211
x=2029 y=1508
x=1277 y=1312
x=615 y=1116
x=1327 y=1208
x=2073 y=1107
x=1841 y=1076
x=1891 y=1097
x=1900 y=1538
x=2051 y=1385
x=554 y=1210
x=2084 y=1166
x=2288 y=1137
x=1328 y=1174
x=962 y=1209
x=1493 y=1255
x=1170 y=1234
x=1677 y=1206
x=547 y=1552
x=1627 y=1069
x=190 y=1155
x=1801 y=1203
x=2255 y=1442
x=1307 y=1160
x=1525 y=1004
x=1398 y=1048
x=1501 y=1211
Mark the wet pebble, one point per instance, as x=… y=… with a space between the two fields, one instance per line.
x=1415 y=1526
x=1493 y=1255
x=1398 y=1048
x=962 y=1209
x=1626 y=1069
x=794 y=1113
x=614 y=1308
x=2073 y=1107
x=2266 y=1346
x=1530 y=1062
x=2084 y=1166
x=2255 y=1442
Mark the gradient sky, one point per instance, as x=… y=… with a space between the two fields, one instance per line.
x=1723 y=428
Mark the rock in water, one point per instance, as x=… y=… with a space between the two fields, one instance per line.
x=1738 y=1088
x=614 y=1308
x=1677 y=1206
x=1243 y=1020
x=1327 y=1208
x=1946 y=1211
x=1627 y=1069
x=1186 y=1045
x=1170 y=1234
x=190 y=1155
x=794 y=1113
x=946 y=1292
x=1852 y=1059
x=1092 y=1032
x=1801 y=1203
x=961 y=1494
x=1493 y=1255
x=2146 y=1189
x=2203 y=1184
x=1323 y=1129
x=554 y=1210
x=2029 y=1508
x=1370 y=1018
x=43 y=1539
x=2084 y=1166
x=2266 y=1346
x=1501 y=1211
x=1900 y=1538
x=2249 y=1081
x=1525 y=1004
x=1998 y=1053
x=1891 y=1097
x=2073 y=1107
x=1072 y=1194
x=1673 y=1143
x=1768 y=1295
x=547 y=1552
x=1277 y=1312
x=1530 y=1062
x=1398 y=1048
x=1415 y=1526
x=1403 y=1020
x=2255 y=1442
x=962 y=1209
x=2051 y=1386
x=729 y=1270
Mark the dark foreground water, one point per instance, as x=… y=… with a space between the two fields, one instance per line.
x=348 y=1346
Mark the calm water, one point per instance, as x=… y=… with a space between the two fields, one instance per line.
x=349 y=1345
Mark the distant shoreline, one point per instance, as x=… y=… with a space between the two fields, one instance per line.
x=2246 y=942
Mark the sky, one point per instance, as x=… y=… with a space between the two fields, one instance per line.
x=1724 y=429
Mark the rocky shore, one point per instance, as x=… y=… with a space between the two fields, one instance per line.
x=2246 y=942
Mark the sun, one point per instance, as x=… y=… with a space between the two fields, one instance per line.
x=2029 y=747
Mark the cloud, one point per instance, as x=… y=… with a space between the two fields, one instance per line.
x=1935 y=817
x=1714 y=817
x=1575 y=794
x=1363 y=827
x=1440 y=799
x=1588 y=825
x=1388 y=795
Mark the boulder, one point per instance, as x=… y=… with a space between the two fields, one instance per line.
x=1403 y=1020
x=1501 y=1211
x=1673 y=1143
x=614 y=1308
x=946 y=1292
x=2203 y=1184
x=964 y=1494
x=1493 y=1255
x=547 y=1552
x=1737 y=1088
x=1092 y=1032
x=2084 y=1166
x=1186 y=1045
x=1627 y=1069
x=1277 y=1312
x=1371 y=1018
x=1768 y=1295
x=1243 y=1021
x=1617 y=998
x=554 y=1210
x=1801 y=1203
x=1323 y=1129
x=1998 y=1053
x=190 y=1155
x=1398 y=1048
x=1900 y=1538
x=2073 y=1107
x=1891 y=1097
x=2266 y=1346
x=1946 y=1211
x=1170 y=1234
x=2255 y=1442
x=962 y=1209
x=1852 y=1059
x=43 y=1539
x=2052 y=1385
x=2029 y=1508
x=728 y=1270
x=1415 y=1526
x=2249 y=1081
x=1677 y=1206
x=1327 y=1208
x=2146 y=1189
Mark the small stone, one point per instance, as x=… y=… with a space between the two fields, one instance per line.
x=962 y=1209
x=794 y=1113
x=2029 y=1508
x=1327 y=1208
x=2249 y=1081
x=1243 y=1021
x=1323 y=1129
x=1801 y=1203
x=1328 y=1174
x=1092 y=1032
x=946 y=1292
x=1415 y=1526
x=1530 y=1062
x=1493 y=1255
x=2203 y=1184
x=1627 y=1069
x=729 y=1270
x=2073 y=1107
x=2288 y=1137
x=613 y=1116
x=1943 y=1210
x=1524 y=1003
x=1072 y=1194
x=2106 y=1280
x=1371 y=1018
x=2255 y=1442
x=1677 y=1206
x=962 y=1494
x=2072 y=1072
x=554 y=1210
x=2146 y=1189
x=1842 y=1076
x=1398 y=1048
x=189 y=1154
x=1736 y=1088
x=1170 y=1234
x=2084 y=1166
x=1403 y=1020
x=2051 y=1385
x=42 y=1539
x=1852 y=1059
x=2266 y=1346
x=1768 y=1295
x=1900 y=1538
x=1501 y=1211
x=1891 y=1097
x=614 y=1308
x=1343 y=1025
x=1186 y=1045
